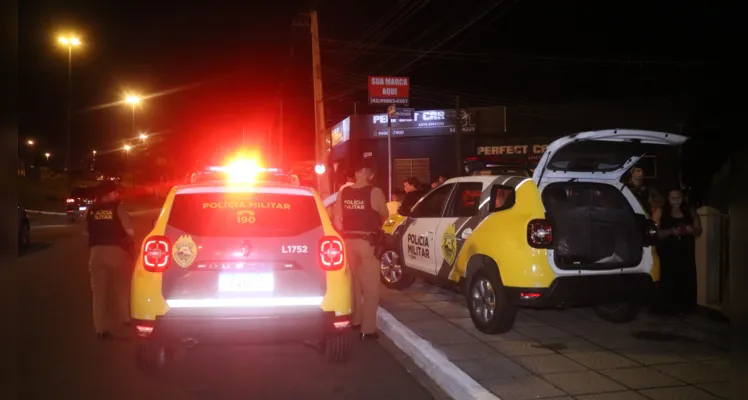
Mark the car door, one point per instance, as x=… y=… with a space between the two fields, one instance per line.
x=418 y=241
x=461 y=215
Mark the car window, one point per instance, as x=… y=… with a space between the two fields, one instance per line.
x=432 y=205
x=502 y=198
x=465 y=200
x=244 y=214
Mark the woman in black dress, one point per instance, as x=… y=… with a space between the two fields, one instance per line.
x=679 y=225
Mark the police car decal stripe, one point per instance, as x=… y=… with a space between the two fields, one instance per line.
x=446 y=269
x=245 y=302
x=245 y=189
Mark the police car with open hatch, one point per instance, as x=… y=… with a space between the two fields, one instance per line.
x=572 y=234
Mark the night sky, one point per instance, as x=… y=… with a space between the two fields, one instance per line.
x=221 y=64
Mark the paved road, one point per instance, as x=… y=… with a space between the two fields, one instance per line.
x=59 y=357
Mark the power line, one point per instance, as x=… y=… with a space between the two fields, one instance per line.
x=363 y=42
x=450 y=36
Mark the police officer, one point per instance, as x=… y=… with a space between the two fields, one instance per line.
x=358 y=214
x=110 y=235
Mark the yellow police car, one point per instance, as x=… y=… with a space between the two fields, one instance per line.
x=573 y=234
x=241 y=259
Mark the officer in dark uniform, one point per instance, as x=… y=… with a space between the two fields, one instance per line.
x=110 y=236
x=358 y=214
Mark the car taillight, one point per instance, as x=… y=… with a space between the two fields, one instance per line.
x=331 y=253
x=539 y=233
x=156 y=253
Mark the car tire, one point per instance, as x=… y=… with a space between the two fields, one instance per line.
x=392 y=273
x=24 y=237
x=486 y=289
x=619 y=313
x=151 y=356
x=338 y=348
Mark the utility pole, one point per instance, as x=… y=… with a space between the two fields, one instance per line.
x=320 y=145
x=319 y=106
x=458 y=145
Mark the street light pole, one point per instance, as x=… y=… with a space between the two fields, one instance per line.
x=133 y=119
x=69 y=42
x=70 y=104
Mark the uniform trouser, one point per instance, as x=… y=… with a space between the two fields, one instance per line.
x=110 y=281
x=365 y=273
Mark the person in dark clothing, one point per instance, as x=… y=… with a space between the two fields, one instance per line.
x=646 y=195
x=413 y=193
x=110 y=234
x=358 y=215
x=678 y=225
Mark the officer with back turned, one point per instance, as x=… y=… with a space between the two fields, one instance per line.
x=110 y=236
x=358 y=214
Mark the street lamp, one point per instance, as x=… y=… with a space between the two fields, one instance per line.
x=47 y=155
x=143 y=137
x=70 y=42
x=93 y=160
x=30 y=143
x=133 y=101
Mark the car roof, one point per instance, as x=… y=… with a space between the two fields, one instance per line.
x=506 y=180
x=257 y=187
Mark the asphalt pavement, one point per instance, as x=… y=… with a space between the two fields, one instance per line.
x=59 y=356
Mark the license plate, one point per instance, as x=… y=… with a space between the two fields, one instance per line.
x=245 y=282
x=81 y=208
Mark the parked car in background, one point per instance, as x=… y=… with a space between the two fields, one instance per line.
x=78 y=202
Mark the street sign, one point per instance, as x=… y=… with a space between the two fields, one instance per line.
x=389 y=90
x=391 y=110
x=404 y=113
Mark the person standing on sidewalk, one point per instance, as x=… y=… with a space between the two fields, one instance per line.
x=110 y=237
x=358 y=214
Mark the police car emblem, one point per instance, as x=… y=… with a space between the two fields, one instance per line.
x=184 y=251
x=449 y=245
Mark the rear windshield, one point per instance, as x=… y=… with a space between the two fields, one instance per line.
x=244 y=214
x=588 y=156
x=561 y=196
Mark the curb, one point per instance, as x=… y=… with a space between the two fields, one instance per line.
x=143 y=212
x=45 y=212
x=446 y=374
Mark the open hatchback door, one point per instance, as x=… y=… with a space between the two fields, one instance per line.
x=598 y=155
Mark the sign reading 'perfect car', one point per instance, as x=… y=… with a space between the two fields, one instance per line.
x=388 y=90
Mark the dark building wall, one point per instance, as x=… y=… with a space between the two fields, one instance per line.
x=527 y=133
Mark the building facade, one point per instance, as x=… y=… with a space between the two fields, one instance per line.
x=426 y=145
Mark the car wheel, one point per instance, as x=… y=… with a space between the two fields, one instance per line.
x=338 y=348
x=618 y=313
x=151 y=356
x=488 y=303
x=393 y=274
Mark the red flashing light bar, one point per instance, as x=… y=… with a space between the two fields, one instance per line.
x=215 y=168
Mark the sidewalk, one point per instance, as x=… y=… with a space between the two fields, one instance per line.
x=572 y=354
